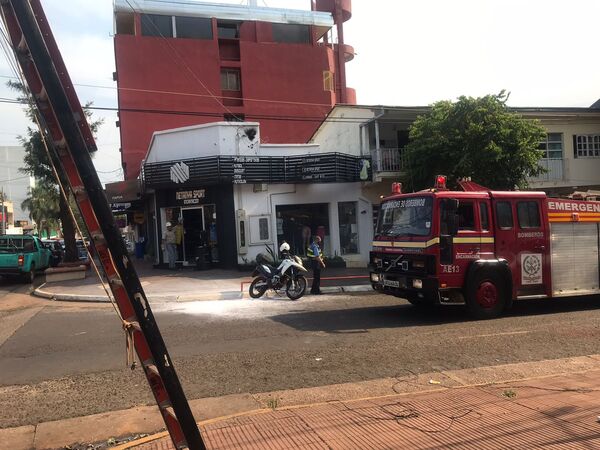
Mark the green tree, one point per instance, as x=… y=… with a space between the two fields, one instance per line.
x=42 y=203
x=37 y=164
x=479 y=138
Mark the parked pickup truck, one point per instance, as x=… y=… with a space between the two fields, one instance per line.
x=22 y=256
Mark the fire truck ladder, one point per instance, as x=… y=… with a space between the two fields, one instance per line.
x=64 y=126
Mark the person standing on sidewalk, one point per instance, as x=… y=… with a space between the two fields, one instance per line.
x=170 y=243
x=316 y=257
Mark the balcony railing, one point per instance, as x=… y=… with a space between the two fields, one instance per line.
x=388 y=159
x=554 y=169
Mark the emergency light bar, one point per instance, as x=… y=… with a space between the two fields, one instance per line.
x=440 y=182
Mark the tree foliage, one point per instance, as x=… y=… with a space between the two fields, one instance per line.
x=42 y=202
x=38 y=165
x=478 y=138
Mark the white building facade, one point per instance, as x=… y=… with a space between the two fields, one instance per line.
x=234 y=195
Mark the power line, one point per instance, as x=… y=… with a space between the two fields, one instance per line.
x=14 y=179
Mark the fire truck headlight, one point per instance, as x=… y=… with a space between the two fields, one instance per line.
x=375 y=278
x=418 y=284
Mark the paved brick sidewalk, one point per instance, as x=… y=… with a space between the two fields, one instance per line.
x=551 y=413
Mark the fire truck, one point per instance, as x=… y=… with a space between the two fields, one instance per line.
x=483 y=248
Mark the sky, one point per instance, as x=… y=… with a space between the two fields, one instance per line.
x=408 y=53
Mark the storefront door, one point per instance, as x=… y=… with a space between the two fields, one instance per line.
x=194 y=235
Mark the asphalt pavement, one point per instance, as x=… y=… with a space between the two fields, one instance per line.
x=68 y=360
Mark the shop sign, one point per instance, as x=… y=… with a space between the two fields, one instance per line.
x=240 y=166
x=313 y=169
x=191 y=197
x=180 y=173
x=138 y=217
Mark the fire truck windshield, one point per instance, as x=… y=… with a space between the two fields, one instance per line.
x=406 y=217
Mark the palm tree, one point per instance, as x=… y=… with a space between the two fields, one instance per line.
x=42 y=202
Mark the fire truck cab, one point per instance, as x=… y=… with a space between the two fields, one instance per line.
x=484 y=248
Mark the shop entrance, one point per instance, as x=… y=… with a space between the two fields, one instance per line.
x=196 y=233
x=193 y=233
x=297 y=224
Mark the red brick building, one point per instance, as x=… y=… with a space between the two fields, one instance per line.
x=186 y=63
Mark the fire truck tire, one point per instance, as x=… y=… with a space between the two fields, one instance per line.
x=486 y=294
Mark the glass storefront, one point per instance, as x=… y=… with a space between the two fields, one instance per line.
x=195 y=230
x=348 y=228
x=297 y=224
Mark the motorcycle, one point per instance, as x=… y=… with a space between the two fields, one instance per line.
x=288 y=275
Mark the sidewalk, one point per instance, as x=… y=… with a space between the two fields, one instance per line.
x=552 y=404
x=190 y=285
x=554 y=412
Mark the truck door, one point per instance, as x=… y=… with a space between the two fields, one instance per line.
x=532 y=246
x=521 y=240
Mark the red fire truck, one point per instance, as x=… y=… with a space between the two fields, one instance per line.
x=484 y=248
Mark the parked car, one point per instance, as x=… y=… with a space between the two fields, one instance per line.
x=82 y=247
x=22 y=256
x=56 y=249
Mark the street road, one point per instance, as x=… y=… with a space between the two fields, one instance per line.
x=59 y=361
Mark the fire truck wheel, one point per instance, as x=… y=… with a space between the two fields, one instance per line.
x=486 y=295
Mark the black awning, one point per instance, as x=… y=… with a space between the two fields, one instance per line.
x=317 y=168
x=123 y=191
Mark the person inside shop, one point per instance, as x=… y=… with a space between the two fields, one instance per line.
x=170 y=245
x=316 y=257
x=179 y=238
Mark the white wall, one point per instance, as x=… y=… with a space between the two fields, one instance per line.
x=338 y=135
x=265 y=203
x=576 y=171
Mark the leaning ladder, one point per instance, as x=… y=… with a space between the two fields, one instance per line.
x=71 y=139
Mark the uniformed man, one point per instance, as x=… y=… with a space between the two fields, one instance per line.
x=316 y=257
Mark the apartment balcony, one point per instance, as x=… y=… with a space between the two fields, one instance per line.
x=554 y=168
x=388 y=163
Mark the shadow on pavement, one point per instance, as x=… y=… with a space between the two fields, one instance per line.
x=357 y=320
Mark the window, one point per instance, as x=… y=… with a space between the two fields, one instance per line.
x=328 y=81
x=528 y=214
x=193 y=27
x=263 y=229
x=348 y=227
x=234 y=117
x=587 y=146
x=504 y=215
x=552 y=146
x=483 y=217
x=125 y=23
x=156 y=25
x=230 y=80
x=291 y=33
x=466 y=217
x=228 y=30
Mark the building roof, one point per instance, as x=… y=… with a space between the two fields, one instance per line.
x=195 y=8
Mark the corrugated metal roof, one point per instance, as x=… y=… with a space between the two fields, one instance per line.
x=192 y=8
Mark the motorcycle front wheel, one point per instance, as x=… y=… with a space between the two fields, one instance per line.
x=258 y=287
x=296 y=287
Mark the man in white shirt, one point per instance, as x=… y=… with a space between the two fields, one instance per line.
x=170 y=244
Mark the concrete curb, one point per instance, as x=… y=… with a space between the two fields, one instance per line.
x=216 y=295
x=146 y=419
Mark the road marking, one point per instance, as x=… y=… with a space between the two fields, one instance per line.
x=508 y=333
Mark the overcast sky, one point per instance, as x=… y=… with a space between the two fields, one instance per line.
x=409 y=52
